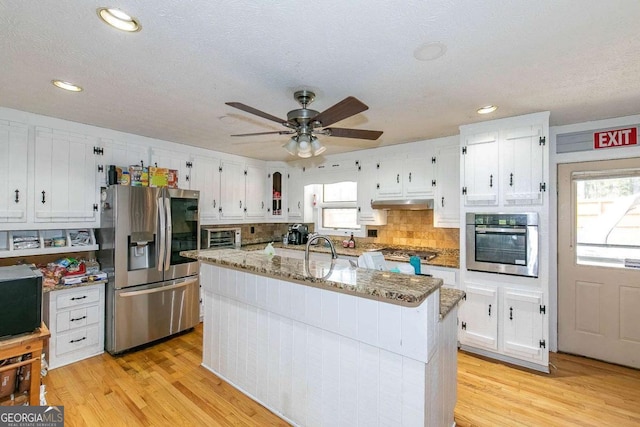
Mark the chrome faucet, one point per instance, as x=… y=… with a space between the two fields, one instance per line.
x=334 y=255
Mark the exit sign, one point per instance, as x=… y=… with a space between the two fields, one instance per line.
x=615 y=138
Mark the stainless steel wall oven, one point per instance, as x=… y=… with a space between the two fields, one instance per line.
x=505 y=243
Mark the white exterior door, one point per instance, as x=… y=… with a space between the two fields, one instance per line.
x=523 y=314
x=480 y=159
x=598 y=260
x=479 y=317
x=13 y=172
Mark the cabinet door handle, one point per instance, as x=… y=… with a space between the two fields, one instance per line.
x=214 y=203
x=240 y=204
x=490 y=181
x=409 y=176
x=78 y=340
x=489 y=310
x=17 y=196
x=78 y=318
x=43 y=197
x=511 y=180
x=510 y=313
x=262 y=205
x=398 y=178
x=77 y=298
x=442 y=202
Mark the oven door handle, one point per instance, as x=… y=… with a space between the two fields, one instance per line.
x=501 y=230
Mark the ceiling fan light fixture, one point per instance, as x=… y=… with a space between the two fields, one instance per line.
x=304 y=146
x=118 y=19
x=316 y=147
x=291 y=146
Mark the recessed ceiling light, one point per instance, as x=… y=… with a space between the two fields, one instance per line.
x=487 y=109
x=429 y=51
x=66 y=86
x=118 y=19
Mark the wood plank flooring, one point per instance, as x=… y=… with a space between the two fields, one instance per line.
x=165 y=385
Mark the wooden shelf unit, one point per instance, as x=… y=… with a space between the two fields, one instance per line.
x=27 y=344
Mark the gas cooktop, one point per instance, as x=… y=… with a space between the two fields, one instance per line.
x=403 y=255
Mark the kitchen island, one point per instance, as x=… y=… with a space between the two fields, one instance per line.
x=329 y=344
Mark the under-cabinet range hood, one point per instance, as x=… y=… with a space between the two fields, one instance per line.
x=403 y=204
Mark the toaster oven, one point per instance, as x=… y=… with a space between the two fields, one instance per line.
x=220 y=238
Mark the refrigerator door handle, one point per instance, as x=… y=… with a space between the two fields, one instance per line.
x=161 y=235
x=167 y=260
x=158 y=289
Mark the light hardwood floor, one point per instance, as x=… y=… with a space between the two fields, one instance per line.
x=165 y=385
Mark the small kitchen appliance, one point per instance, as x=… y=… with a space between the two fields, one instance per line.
x=21 y=300
x=298 y=234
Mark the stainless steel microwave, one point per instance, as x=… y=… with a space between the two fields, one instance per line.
x=505 y=243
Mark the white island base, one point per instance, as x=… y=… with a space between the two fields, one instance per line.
x=317 y=357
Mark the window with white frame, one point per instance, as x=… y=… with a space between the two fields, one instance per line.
x=337 y=209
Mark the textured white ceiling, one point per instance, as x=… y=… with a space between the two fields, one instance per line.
x=578 y=59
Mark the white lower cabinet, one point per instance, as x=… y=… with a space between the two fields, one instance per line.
x=479 y=317
x=523 y=314
x=76 y=322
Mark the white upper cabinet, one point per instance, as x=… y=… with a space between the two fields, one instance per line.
x=231 y=190
x=13 y=171
x=419 y=176
x=521 y=160
x=255 y=201
x=178 y=160
x=295 y=196
x=446 y=211
x=366 y=192
x=205 y=177
x=480 y=159
x=65 y=183
x=407 y=177
x=504 y=161
x=389 y=178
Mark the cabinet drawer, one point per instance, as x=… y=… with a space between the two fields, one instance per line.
x=77 y=318
x=77 y=339
x=82 y=296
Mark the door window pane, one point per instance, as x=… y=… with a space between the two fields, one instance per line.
x=608 y=221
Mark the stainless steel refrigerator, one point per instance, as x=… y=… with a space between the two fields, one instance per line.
x=152 y=292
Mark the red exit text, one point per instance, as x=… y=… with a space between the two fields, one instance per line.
x=615 y=138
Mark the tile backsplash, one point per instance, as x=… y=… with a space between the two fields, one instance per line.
x=414 y=228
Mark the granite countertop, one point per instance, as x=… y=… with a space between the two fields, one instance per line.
x=449 y=297
x=394 y=288
x=449 y=258
x=46 y=289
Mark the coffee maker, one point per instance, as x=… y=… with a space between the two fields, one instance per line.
x=298 y=234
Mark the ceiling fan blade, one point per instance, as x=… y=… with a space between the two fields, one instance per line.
x=354 y=133
x=279 y=132
x=348 y=107
x=252 y=110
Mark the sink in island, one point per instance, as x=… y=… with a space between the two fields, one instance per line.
x=324 y=343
